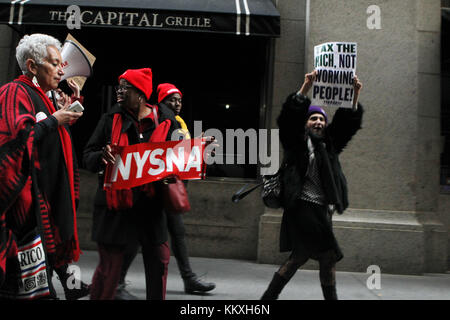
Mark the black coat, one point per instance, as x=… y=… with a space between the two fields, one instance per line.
x=338 y=133
x=146 y=217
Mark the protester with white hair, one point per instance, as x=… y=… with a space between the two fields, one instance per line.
x=39 y=192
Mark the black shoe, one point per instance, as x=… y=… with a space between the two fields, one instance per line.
x=193 y=285
x=75 y=294
x=123 y=294
x=71 y=293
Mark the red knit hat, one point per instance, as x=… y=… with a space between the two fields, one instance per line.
x=141 y=79
x=165 y=89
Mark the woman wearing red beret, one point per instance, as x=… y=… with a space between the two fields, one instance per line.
x=124 y=217
x=170 y=96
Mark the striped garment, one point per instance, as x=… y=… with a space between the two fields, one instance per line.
x=33 y=282
x=312 y=188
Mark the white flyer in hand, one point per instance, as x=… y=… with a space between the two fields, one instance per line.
x=335 y=63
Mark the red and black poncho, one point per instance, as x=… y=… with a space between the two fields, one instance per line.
x=38 y=176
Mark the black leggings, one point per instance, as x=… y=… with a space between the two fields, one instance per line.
x=327 y=266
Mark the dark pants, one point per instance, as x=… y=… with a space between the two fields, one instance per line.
x=107 y=275
x=177 y=233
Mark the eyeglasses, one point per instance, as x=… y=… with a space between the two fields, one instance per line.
x=122 y=88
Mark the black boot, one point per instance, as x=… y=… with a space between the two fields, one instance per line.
x=193 y=284
x=329 y=292
x=74 y=293
x=276 y=285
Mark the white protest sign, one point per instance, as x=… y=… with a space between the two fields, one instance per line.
x=335 y=63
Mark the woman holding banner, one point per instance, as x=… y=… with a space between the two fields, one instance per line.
x=313 y=185
x=126 y=216
x=170 y=96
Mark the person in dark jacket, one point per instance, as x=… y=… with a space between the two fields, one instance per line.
x=313 y=185
x=170 y=96
x=123 y=217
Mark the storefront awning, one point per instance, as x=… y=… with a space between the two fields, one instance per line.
x=240 y=17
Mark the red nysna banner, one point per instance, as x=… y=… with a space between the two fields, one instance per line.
x=142 y=163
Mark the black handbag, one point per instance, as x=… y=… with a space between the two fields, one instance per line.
x=271 y=191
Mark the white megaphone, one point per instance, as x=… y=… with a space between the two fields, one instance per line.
x=74 y=61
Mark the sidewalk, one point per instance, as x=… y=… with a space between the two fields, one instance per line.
x=247 y=280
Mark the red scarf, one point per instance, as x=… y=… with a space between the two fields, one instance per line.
x=66 y=144
x=123 y=199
